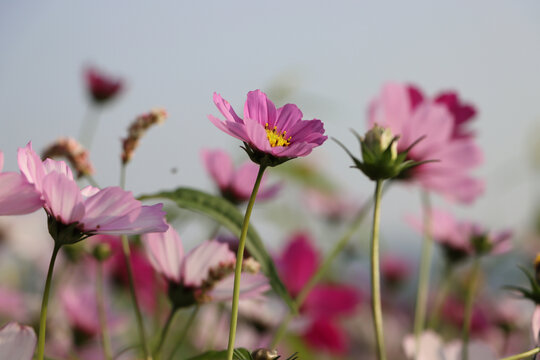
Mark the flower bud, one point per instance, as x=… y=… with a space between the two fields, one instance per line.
x=378 y=140
x=264 y=354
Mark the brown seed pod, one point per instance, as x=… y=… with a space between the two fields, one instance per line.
x=264 y=354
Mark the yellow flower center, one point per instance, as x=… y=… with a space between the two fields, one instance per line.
x=276 y=138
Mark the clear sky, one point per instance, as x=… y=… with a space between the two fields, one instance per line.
x=334 y=54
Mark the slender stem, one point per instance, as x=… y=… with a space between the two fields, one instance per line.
x=306 y=289
x=123 y=176
x=170 y=317
x=469 y=307
x=89 y=127
x=442 y=293
x=91 y=181
x=44 y=302
x=523 y=355
x=126 y=251
x=238 y=267
x=100 y=298
x=185 y=331
x=375 y=274
x=423 y=278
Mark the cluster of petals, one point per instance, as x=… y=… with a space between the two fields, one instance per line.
x=235 y=184
x=17 y=342
x=263 y=123
x=325 y=304
x=457 y=236
x=17 y=195
x=432 y=347
x=111 y=210
x=441 y=125
x=101 y=87
x=207 y=269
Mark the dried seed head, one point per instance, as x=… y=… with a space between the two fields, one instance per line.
x=74 y=152
x=137 y=130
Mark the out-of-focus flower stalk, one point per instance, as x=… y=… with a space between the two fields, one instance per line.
x=44 y=302
x=423 y=278
x=183 y=335
x=238 y=266
x=469 y=306
x=375 y=274
x=100 y=299
x=442 y=293
x=524 y=355
x=163 y=335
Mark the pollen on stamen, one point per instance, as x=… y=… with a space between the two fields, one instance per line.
x=276 y=138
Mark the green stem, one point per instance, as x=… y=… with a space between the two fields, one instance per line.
x=523 y=355
x=469 y=307
x=185 y=331
x=238 y=267
x=423 y=278
x=89 y=127
x=126 y=251
x=44 y=302
x=375 y=274
x=306 y=289
x=123 y=176
x=170 y=317
x=105 y=341
x=442 y=293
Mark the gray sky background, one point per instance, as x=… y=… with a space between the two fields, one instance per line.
x=336 y=55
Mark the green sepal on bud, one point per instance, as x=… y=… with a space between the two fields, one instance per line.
x=380 y=157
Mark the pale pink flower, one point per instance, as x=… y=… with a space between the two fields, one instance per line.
x=535 y=325
x=17 y=195
x=17 y=342
x=335 y=206
x=206 y=272
x=12 y=303
x=235 y=184
x=89 y=211
x=267 y=131
x=101 y=87
x=407 y=114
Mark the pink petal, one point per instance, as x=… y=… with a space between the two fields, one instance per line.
x=392 y=108
x=12 y=304
x=535 y=325
x=260 y=109
x=236 y=130
x=17 y=342
x=165 y=253
x=251 y=286
x=331 y=300
x=1 y=160
x=287 y=116
x=226 y=109
x=63 y=198
x=61 y=167
x=268 y=192
x=31 y=165
x=200 y=261
x=257 y=136
x=298 y=262
x=325 y=334
x=17 y=196
x=89 y=191
x=430 y=346
x=219 y=165
x=244 y=179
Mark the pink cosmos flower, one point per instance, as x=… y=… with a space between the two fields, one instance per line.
x=235 y=185
x=101 y=87
x=407 y=114
x=325 y=304
x=17 y=342
x=394 y=270
x=90 y=211
x=453 y=312
x=459 y=239
x=462 y=113
x=17 y=196
x=535 y=325
x=204 y=274
x=280 y=133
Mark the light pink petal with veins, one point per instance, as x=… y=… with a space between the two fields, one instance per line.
x=200 y=261
x=17 y=196
x=251 y=286
x=165 y=252
x=236 y=130
x=31 y=165
x=17 y=342
x=392 y=108
x=89 y=191
x=226 y=109
x=61 y=167
x=259 y=108
x=257 y=136
x=244 y=179
x=108 y=205
x=287 y=116
x=63 y=198
x=219 y=165
x=145 y=219
x=307 y=131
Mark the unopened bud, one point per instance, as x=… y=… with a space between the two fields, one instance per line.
x=264 y=354
x=378 y=140
x=102 y=252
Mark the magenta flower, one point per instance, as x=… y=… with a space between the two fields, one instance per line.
x=325 y=304
x=394 y=270
x=461 y=239
x=462 y=113
x=17 y=342
x=75 y=214
x=101 y=88
x=202 y=275
x=17 y=196
x=235 y=185
x=271 y=135
x=407 y=114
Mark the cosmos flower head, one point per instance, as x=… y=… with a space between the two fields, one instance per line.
x=102 y=88
x=271 y=136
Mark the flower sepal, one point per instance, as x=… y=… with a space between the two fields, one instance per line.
x=63 y=234
x=181 y=296
x=534 y=292
x=380 y=158
x=262 y=158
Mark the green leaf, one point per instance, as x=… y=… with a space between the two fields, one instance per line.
x=239 y=354
x=225 y=213
x=242 y=354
